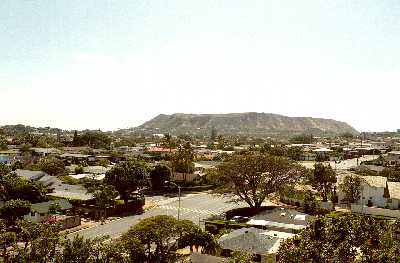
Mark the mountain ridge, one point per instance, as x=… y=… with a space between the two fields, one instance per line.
x=249 y=123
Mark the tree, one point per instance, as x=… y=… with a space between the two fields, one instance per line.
x=252 y=176
x=323 y=180
x=43 y=248
x=4 y=169
x=14 y=209
x=77 y=250
x=156 y=239
x=75 y=140
x=302 y=138
x=3 y=143
x=294 y=153
x=104 y=195
x=213 y=135
x=127 y=177
x=7 y=240
x=79 y=169
x=182 y=160
x=341 y=238
x=159 y=175
x=17 y=187
x=241 y=257
x=51 y=166
x=351 y=187
x=54 y=208
x=168 y=141
x=17 y=165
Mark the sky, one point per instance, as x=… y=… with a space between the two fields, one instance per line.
x=77 y=64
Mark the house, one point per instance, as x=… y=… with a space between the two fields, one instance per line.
x=77 y=158
x=45 y=152
x=373 y=190
x=41 y=211
x=393 y=157
x=55 y=187
x=263 y=243
x=50 y=182
x=71 y=192
x=281 y=219
x=83 y=177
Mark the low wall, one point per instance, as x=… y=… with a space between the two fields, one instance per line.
x=299 y=202
x=375 y=211
x=292 y=201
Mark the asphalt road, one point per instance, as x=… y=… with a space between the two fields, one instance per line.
x=195 y=207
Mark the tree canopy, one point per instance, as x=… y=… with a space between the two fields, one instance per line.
x=51 y=166
x=343 y=238
x=158 y=175
x=127 y=177
x=323 y=180
x=253 y=176
x=351 y=187
x=17 y=187
x=156 y=239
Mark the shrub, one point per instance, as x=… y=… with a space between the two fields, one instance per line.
x=79 y=169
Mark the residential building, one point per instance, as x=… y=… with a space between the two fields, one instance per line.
x=263 y=243
x=41 y=211
x=373 y=190
x=393 y=157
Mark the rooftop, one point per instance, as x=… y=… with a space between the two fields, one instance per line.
x=250 y=239
x=375 y=181
x=44 y=206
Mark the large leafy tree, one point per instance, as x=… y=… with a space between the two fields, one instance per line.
x=14 y=209
x=324 y=179
x=127 y=177
x=342 y=238
x=51 y=166
x=156 y=239
x=253 y=176
x=104 y=196
x=3 y=143
x=17 y=187
x=4 y=169
x=7 y=240
x=351 y=187
x=158 y=175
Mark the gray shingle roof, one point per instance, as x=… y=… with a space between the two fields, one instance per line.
x=44 y=206
x=28 y=174
x=249 y=239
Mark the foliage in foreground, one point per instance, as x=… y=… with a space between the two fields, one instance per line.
x=343 y=238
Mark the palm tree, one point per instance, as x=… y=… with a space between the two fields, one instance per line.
x=168 y=141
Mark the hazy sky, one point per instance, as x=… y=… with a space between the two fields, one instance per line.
x=115 y=64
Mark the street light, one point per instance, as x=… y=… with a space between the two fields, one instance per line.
x=179 y=196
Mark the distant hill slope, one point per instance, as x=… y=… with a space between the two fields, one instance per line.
x=250 y=123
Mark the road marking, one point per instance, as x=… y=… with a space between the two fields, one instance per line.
x=198 y=211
